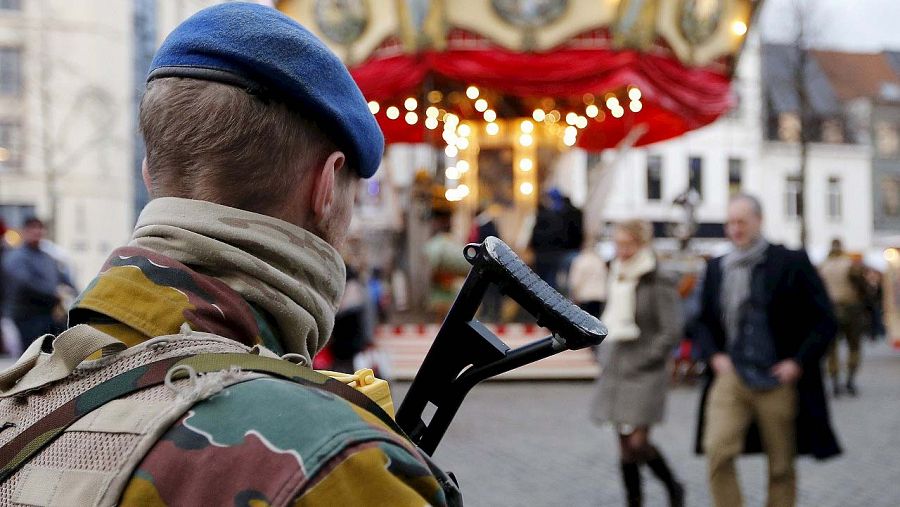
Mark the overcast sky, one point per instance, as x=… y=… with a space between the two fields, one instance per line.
x=858 y=25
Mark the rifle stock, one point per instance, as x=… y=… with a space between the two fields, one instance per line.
x=465 y=352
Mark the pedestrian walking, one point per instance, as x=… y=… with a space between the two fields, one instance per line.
x=588 y=279
x=35 y=286
x=556 y=237
x=483 y=226
x=644 y=317
x=847 y=287
x=352 y=327
x=875 y=304
x=447 y=263
x=765 y=323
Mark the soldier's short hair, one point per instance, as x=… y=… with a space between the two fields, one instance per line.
x=214 y=142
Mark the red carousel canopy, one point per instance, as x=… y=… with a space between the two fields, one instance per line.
x=615 y=63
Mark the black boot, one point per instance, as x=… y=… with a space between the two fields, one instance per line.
x=661 y=470
x=631 y=477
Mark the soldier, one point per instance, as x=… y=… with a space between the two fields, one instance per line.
x=256 y=136
x=845 y=281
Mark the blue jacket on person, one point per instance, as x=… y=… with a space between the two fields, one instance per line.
x=32 y=278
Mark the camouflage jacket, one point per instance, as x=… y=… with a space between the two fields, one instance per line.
x=259 y=442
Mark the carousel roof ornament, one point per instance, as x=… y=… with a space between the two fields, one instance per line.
x=586 y=71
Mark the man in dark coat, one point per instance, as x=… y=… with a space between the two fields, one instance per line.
x=764 y=325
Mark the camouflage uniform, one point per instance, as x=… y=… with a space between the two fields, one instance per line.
x=262 y=441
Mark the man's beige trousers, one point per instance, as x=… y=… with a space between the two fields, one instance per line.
x=730 y=408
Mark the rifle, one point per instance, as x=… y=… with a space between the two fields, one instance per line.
x=465 y=351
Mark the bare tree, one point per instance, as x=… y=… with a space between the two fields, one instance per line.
x=602 y=176
x=93 y=102
x=803 y=14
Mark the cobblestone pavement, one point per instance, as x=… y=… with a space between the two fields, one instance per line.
x=531 y=444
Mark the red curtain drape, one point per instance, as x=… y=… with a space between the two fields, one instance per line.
x=675 y=98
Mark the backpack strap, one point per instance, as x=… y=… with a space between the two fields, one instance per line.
x=205 y=363
x=43 y=432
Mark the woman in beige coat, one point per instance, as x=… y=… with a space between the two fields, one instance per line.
x=643 y=314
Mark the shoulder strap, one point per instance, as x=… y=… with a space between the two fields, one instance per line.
x=204 y=363
x=36 y=437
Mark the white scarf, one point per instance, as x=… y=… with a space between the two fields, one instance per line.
x=289 y=272
x=621 y=303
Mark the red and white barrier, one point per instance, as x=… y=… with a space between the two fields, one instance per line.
x=407 y=344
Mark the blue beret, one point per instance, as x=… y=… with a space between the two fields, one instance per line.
x=267 y=53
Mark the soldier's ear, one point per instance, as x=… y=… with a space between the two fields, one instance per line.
x=323 y=183
x=145 y=174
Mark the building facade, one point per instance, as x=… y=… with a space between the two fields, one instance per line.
x=70 y=81
x=755 y=149
x=65 y=123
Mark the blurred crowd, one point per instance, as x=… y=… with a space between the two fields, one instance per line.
x=753 y=327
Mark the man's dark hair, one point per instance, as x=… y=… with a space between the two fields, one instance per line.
x=33 y=222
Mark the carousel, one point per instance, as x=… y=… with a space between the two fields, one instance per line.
x=500 y=91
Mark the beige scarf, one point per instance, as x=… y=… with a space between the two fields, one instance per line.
x=621 y=303
x=289 y=272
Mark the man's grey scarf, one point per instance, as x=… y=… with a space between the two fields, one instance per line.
x=737 y=267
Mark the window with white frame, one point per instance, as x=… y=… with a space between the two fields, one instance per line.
x=10 y=144
x=10 y=5
x=654 y=177
x=695 y=175
x=10 y=71
x=735 y=175
x=793 y=197
x=835 y=202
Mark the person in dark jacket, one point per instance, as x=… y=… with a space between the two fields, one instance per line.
x=764 y=325
x=35 y=285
